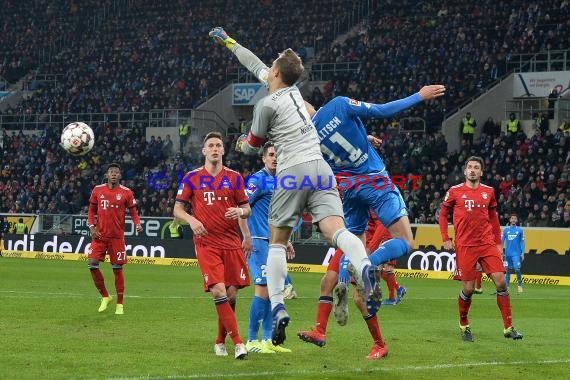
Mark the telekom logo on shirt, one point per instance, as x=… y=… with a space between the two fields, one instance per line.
x=469 y=203
x=104 y=204
x=210 y=196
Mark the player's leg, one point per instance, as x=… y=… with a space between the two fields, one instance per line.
x=389 y=277
x=340 y=291
x=213 y=267
x=259 y=309
x=466 y=266
x=284 y=211
x=379 y=348
x=289 y=291
x=478 y=280
x=317 y=334
x=392 y=212
x=510 y=267
x=283 y=216
x=95 y=256
x=327 y=209
x=118 y=259
x=227 y=317
x=518 y=274
x=232 y=292
x=492 y=263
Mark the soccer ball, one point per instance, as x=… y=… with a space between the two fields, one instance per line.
x=77 y=138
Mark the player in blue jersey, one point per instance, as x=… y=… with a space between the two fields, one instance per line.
x=362 y=175
x=513 y=241
x=260 y=188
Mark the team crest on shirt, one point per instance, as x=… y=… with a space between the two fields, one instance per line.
x=225 y=183
x=354 y=102
x=251 y=188
x=118 y=197
x=484 y=195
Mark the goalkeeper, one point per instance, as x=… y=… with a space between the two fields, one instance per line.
x=282 y=116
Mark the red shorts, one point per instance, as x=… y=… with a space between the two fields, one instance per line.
x=334 y=264
x=466 y=259
x=219 y=265
x=391 y=262
x=114 y=247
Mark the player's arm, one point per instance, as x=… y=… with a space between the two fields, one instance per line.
x=494 y=220
x=91 y=213
x=446 y=206
x=371 y=110
x=246 y=243
x=196 y=226
x=523 y=247
x=243 y=210
x=245 y=56
x=132 y=207
x=253 y=141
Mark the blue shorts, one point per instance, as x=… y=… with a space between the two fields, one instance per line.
x=258 y=260
x=513 y=262
x=382 y=196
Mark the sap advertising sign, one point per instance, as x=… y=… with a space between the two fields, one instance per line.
x=247 y=94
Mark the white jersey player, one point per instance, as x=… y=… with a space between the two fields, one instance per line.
x=282 y=117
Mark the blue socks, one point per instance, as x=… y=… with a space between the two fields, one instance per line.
x=389 y=250
x=257 y=314
x=519 y=277
x=267 y=323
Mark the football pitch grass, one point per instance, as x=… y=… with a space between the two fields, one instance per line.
x=50 y=329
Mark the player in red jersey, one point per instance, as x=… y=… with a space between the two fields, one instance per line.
x=477 y=240
x=106 y=220
x=330 y=283
x=220 y=208
x=375 y=236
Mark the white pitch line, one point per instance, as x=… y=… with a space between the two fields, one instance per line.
x=349 y=371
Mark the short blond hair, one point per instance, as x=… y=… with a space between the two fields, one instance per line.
x=290 y=66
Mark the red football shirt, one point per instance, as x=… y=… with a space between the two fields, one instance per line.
x=109 y=206
x=474 y=215
x=210 y=196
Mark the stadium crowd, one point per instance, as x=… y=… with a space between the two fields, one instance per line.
x=464 y=45
x=149 y=55
x=155 y=56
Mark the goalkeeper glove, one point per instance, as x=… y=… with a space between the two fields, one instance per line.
x=219 y=35
x=343 y=275
x=240 y=143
